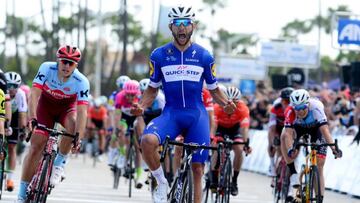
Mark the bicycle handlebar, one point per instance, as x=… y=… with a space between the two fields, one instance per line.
x=298 y=144
x=53 y=132
x=192 y=146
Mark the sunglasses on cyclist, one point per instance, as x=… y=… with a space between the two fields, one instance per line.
x=65 y=62
x=130 y=95
x=184 y=21
x=12 y=86
x=301 y=107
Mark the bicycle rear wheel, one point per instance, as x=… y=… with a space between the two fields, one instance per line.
x=206 y=188
x=285 y=183
x=315 y=189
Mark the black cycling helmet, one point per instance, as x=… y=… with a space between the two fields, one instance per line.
x=285 y=93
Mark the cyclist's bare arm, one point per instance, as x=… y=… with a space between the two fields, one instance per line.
x=8 y=113
x=212 y=122
x=81 y=118
x=148 y=97
x=33 y=101
x=22 y=119
x=245 y=133
x=324 y=129
x=218 y=96
x=287 y=135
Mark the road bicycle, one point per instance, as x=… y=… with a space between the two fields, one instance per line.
x=39 y=187
x=310 y=190
x=181 y=190
x=281 y=182
x=224 y=179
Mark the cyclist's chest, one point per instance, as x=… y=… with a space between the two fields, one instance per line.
x=69 y=87
x=308 y=122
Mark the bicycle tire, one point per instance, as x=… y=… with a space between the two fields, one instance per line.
x=130 y=168
x=277 y=188
x=285 y=183
x=206 y=189
x=171 y=195
x=315 y=189
x=40 y=190
x=187 y=189
x=2 y=173
x=227 y=182
x=117 y=174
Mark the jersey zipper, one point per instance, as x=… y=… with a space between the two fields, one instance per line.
x=182 y=78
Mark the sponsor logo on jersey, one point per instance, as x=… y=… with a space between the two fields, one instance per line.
x=170 y=58
x=193 y=53
x=169 y=51
x=192 y=60
x=151 y=69
x=40 y=76
x=177 y=73
x=67 y=88
x=213 y=70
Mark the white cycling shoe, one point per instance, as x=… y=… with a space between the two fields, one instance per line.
x=56 y=175
x=294 y=180
x=120 y=163
x=160 y=193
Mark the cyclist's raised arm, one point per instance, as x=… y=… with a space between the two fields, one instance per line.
x=148 y=97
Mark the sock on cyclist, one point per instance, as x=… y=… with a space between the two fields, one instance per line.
x=235 y=176
x=159 y=176
x=22 y=190
x=10 y=175
x=292 y=168
x=60 y=160
x=122 y=150
x=272 y=161
x=111 y=155
x=138 y=173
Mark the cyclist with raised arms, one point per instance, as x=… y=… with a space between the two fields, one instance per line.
x=181 y=66
x=18 y=121
x=305 y=115
x=59 y=94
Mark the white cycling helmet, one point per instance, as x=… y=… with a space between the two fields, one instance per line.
x=300 y=96
x=144 y=83
x=233 y=93
x=103 y=99
x=181 y=12
x=121 y=80
x=98 y=102
x=13 y=78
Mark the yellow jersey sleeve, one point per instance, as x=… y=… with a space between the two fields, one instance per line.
x=2 y=105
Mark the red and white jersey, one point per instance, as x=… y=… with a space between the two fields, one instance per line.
x=241 y=116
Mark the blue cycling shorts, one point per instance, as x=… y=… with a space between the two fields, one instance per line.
x=193 y=124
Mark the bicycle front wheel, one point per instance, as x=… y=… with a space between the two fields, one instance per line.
x=227 y=182
x=187 y=189
x=131 y=167
x=315 y=189
x=41 y=189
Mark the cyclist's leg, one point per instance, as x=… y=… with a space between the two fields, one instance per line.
x=321 y=158
x=12 y=142
x=271 y=149
x=154 y=134
x=199 y=133
x=37 y=143
x=177 y=154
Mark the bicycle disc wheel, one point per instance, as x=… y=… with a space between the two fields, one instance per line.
x=315 y=189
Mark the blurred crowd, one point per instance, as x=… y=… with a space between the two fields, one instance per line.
x=342 y=107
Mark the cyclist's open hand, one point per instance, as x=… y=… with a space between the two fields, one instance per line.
x=136 y=110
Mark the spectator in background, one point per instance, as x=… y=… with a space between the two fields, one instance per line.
x=260 y=114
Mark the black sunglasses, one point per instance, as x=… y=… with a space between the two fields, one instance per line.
x=65 y=62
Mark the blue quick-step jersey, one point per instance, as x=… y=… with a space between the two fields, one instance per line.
x=182 y=74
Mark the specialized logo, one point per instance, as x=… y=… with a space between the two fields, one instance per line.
x=40 y=76
x=151 y=69
x=193 y=53
x=182 y=72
